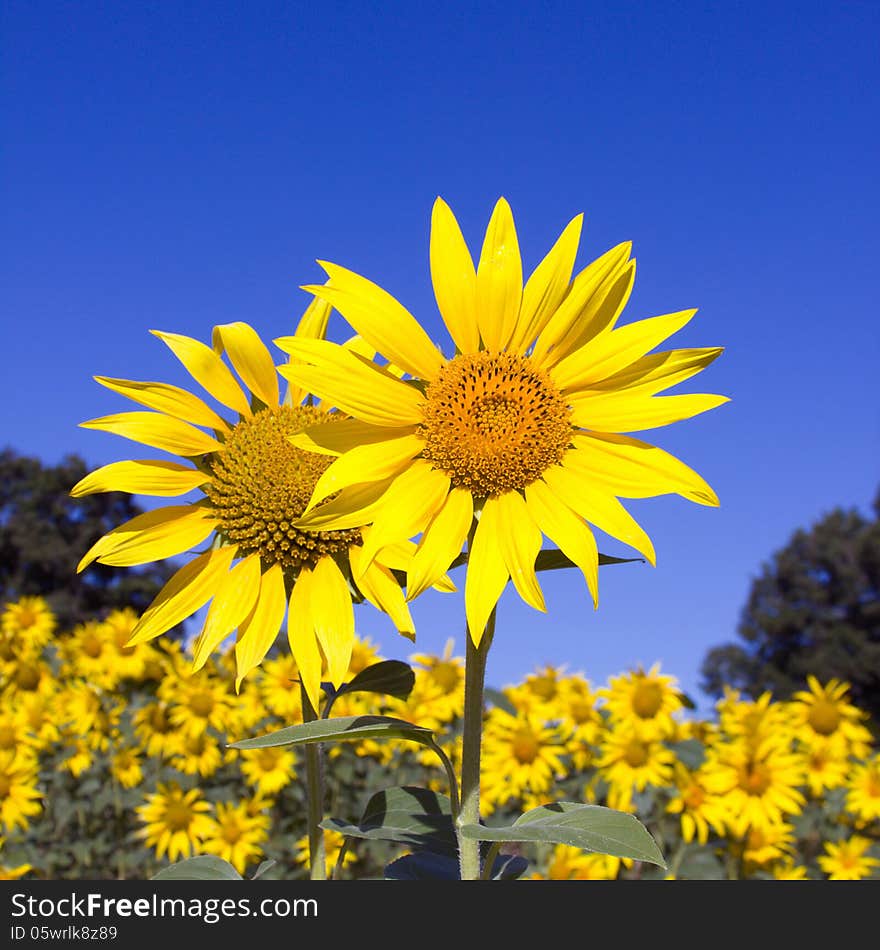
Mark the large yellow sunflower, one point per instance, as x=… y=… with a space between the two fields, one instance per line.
x=254 y=484
x=523 y=425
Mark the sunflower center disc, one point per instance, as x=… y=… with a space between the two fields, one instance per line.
x=262 y=483
x=493 y=422
x=824 y=717
x=178 y=816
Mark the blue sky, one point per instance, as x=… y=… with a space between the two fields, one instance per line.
x=175 y=166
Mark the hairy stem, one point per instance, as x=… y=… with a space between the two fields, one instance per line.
x=315 y=798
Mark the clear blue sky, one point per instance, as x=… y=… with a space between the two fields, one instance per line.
x=175 y=166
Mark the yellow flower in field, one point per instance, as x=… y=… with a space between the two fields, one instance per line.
x=90 y=714
x=863 y=790
x=197 y=703
x=125 y=767
x=16 y=873
x=630 y=760
x=568 y=863
x=438 y=693
x=90 y=653
x=521 y=426
x=760 y=783
x=27 y=675
x=333 y=842
x=759 y=720
x=15 y=732
x=580 y=717
x=175 y=822
x=236 y=834
x=822 y=714
x=129 y=662
x=827 y=766
x=198 y=753
x=787 y=870
x=38 y=711
x=768 y=843
x=700 y=809
x=363 y=654
x=280 y=688
x=80 y=757
x=27 y=624
x=522 y=758
x=847 y=860
x=154 y=729
x=254 y=484
x=647 y=699
x=19 y=795
x=268 y=770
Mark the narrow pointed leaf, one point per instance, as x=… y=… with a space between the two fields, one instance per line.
x=340 y=729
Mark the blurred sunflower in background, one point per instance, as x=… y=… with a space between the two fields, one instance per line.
x=254 y=484
x=523 y=426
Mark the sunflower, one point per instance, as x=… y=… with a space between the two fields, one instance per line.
x=647 y=698
x=768 y=843
x=827 y=766
x=279 y=687
x=28 y=624
x=863 y=790
x=630 y=759
x=129 y=662
x=154 y=729
x=198 y=753
x=19 y=795
x=522 y=426
x=175 y=822
x=438 y=693
x=823 y=714
x=268 y=770
x=236 y=834
x=125 y=767
x=197 y=703
x=254 y=484
x=568 y=863
x=90 y=653
x=760 y=783
x=847 y=860
x=788 y=870
x=333 y=842
x=700 y=810
x=522 y=758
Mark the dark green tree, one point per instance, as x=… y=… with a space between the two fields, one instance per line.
x=44 y=533
x=815 y=608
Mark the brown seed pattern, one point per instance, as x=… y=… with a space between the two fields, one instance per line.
x=262 y=483
x=494 y=422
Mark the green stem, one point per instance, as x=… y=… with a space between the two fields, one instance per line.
x=491 y=854
x=454 y=803
x=469 y=813
x=314 y=798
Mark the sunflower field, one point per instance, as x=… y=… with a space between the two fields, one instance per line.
x=115 y=761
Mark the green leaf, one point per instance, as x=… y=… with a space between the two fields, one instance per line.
x=700 y=865
x=409 y=815
x=497 y=698
x=341 y=729
x=204 y=867
x=553 y=560
x=389 y=677
x=589 y=827
x=263 y=867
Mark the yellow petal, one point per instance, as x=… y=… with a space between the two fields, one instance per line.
x=350 y=383
x=149 y=521
x=252 y=361
x=159 y=431
x=567 y=531
x=351 y=508
x=399 y=557
x=486 y=572
x=499 y=280
x=333 y=618
x=380 y=588
x=408 y=505
x=181 y=528
x=658 y=371
x=634 y=469
x=172 y=400
x=186 y=591
x=627 y=412
x=143 y=477
x=582 y=303
x=340 y=435
x=454 y=278
x=234 y=600
x=257 y=632
x=313 y=323
x=441 y=542
x=381 y=320
x=598 y=317
x=547 y=287
x=599 y=508
x=519 y=540
x=367 y=463
x=207 y=369
x=302 y=639
x=615 y=351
